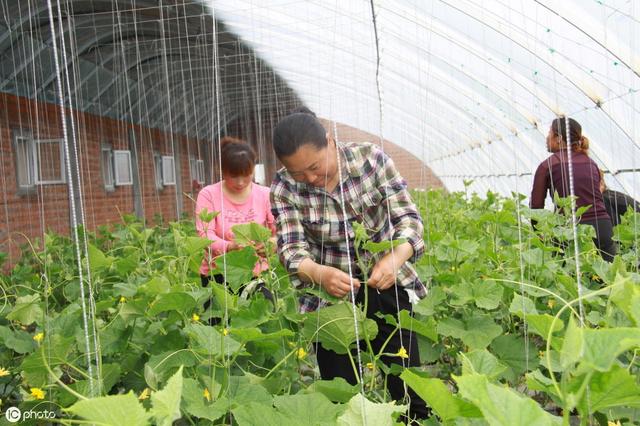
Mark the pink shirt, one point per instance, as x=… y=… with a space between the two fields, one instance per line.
x=256 y=208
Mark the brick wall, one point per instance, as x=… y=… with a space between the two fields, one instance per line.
x=46 y=208
x=28 y=215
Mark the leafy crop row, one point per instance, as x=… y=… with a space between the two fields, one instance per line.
x=503 y=334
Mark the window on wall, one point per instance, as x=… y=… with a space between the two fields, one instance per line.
x=38 y=162
x=25 y=168
x=123 y=175
x=157 y=166
x=168 y=170
x=197 y=170
x=106 y=163
x=49 y=160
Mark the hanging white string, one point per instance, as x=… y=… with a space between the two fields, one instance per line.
x=78 y=164
x=354 y=307
x=574 y=220
x=525 y=325
x=74 y=216
x=387 y=202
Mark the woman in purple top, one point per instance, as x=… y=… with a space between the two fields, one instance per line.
x=553 y=175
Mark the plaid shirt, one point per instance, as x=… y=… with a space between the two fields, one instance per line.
x=310 y=223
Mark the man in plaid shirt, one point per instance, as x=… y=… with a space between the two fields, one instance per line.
x=324 y=187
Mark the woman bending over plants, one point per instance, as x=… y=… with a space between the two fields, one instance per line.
x=235 y=200
x=325 y=187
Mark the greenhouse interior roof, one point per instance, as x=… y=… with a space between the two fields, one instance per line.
x=469 y=87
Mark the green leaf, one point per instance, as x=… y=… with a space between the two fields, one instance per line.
x=503 y=406
x=160 y=366
x=241 y=391
x=178 y=301
x=536 y=381
x=541 y=324
x=615 y=388
x=195 y=245
x=625 y=294
x=487 y=294
x=518 y=303
x=195 y=403
x=255 y=334
x=248 y=414
x=110 y=376
x=27 y=310
x=374 y=414
x=237 y=266
x=166 y=403
x=602 y=347
x=19 y=341
x=337 y=390
x=56 y=349
x=511 y=350
x=335 y=328
x=436 y=394
x=425 y=328
x=476 y=331
x=206 y=216
x=309 y=409
x=572 y=344
x=383 y=246
x=250 y=233
x=207 y=340
x=429 y=304
x=98 y=261
x=156 y=285
x=481 y=362
x=112 y=410
x=536 y=323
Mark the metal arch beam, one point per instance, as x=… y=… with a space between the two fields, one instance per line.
x=141 y=82
x=24 y=64
x=489 y=87
x=160 y=99
x=563 y=72
x=93 y=41
x=453 y=37
x=617 y=52
x=26 y=14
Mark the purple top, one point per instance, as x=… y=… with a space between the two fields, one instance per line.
x=553 y=175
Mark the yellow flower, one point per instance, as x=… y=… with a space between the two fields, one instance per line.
x=206 y=394
x=610 y=423
x=195 y=317
x=541 y=354
x=225 y=331
x=370 y=366
x=551 y=303
x=122 y=299
x=402 y=353
x=3 y=372
x=37 y=393
x=38 y=337
x=301 y=353
x=145 y=394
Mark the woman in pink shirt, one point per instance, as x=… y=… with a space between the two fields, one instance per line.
x=236 y=199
